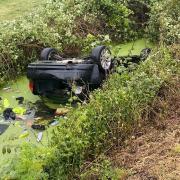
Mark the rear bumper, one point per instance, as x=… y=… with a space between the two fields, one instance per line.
x=53 y=78
x=73 y=72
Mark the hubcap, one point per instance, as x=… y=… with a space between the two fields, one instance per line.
x=51 y=55
x=105 y=59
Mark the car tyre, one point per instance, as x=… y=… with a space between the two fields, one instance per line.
x=145 y=53
x=102 y=56
x=47 y=54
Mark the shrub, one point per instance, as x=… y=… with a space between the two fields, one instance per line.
x=164 y=22
x=27 y=164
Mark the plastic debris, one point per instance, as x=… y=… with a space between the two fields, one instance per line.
x=40 y=135
x=54 y=123
x=38 y=127
x=6 y=88
x=61 y=111
x=19 y=110
x=24 y=134
x=20 y=100
x=9 y=114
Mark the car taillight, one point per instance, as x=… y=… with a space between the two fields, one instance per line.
x=31 y=86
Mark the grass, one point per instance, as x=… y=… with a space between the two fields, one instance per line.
x=12 y=9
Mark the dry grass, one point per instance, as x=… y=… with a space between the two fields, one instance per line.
x=153 y=152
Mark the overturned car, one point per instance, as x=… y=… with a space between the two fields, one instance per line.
x=55 y=77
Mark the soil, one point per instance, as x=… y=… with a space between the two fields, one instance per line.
x=154 y=153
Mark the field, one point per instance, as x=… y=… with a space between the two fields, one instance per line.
x=11 y=9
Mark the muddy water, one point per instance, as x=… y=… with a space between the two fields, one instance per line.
x=19 y=131
x=15 y=89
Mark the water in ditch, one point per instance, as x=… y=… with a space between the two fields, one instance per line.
x=33 y=112
x=15 y=133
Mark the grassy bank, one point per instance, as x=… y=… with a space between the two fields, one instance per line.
x=110 y=115
x=12 y=9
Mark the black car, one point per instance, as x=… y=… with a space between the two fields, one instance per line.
x=55 y=77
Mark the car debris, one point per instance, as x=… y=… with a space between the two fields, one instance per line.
x=20 y=100
x=8 y=114
x=38 y=127
x=54 y=123
x=61 y=111
x=7 y=88
x=40 y=135
x=3 y=128
x=24 y=134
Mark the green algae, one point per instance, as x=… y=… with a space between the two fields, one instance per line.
x=130 y=48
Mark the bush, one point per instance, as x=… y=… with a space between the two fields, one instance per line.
x=164 y=22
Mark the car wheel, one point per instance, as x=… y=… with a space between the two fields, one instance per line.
x=48 y=54
x=102 y=56
x=145 y=53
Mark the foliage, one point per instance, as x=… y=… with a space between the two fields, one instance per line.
x=164 y=22
x=102 y=169
x=28 y=164
x=92 y=128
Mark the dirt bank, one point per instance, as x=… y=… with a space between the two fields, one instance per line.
x=154 y=153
